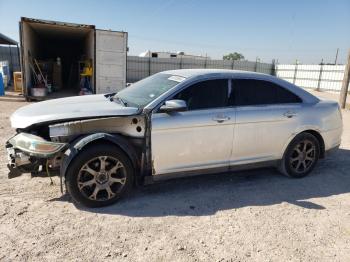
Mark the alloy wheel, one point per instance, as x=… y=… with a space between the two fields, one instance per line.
x=101 y=178
x=303 y=156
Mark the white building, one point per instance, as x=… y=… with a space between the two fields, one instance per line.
x=171 y=55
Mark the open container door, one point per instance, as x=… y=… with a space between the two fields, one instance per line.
x=23 y=68
x=111 y=55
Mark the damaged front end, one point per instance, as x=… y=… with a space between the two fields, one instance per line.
x=47 y=149
x=28 y=153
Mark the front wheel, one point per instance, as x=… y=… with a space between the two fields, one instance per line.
x=99 y=175
x=301 y=156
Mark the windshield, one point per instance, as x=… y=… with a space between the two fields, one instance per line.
x=145 y=91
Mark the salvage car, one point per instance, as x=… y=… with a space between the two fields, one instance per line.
x=172 y=124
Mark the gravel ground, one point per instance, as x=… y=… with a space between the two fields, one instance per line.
x=246 y=216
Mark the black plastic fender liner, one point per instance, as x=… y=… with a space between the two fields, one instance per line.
x=78 y=145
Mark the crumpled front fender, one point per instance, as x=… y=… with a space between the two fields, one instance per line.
x=79 y=145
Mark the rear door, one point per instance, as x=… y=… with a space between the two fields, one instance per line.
x=266 y=117
x=111 y=51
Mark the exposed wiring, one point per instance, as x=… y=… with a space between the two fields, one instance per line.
x=48 y=173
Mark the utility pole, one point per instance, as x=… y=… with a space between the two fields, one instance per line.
x=336 y=56
x=345 y=85
x=320 y=76
x=295 y=71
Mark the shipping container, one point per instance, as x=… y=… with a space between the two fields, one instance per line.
x=64 y=49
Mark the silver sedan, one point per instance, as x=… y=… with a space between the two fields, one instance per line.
x=171 y=124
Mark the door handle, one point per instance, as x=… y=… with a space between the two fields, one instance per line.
x=221 y=119
x=290 y=114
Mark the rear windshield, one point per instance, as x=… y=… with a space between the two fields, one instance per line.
x=146 y=90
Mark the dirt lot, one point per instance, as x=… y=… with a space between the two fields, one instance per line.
x=246 y=216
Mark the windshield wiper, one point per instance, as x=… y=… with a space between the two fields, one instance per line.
x=120 y=100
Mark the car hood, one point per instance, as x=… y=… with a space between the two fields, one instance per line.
x=69 y=108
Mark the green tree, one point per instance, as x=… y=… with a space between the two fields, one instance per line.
x=233 y=56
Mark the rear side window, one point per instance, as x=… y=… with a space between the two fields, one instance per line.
x=205 y=94
x=259 y=92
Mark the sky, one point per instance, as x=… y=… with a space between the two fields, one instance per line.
x=307 y=30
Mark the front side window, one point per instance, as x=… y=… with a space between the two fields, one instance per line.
x=259 y=92
x=206 y=94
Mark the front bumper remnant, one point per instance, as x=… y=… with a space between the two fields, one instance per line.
x=13 y=172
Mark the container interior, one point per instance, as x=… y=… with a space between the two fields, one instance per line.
x=60 y=51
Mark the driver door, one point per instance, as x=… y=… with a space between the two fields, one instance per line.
x=200 y=138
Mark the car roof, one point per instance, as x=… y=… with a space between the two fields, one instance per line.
x=187 y=73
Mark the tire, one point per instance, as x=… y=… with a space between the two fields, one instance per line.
x=301 y=156
x=99 y=175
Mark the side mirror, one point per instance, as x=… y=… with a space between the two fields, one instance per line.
x=174 y=105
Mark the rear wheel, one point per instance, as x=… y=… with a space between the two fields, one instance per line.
x=99 y=175
x=301 y=156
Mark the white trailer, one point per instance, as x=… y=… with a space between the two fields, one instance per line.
x=70 y=43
